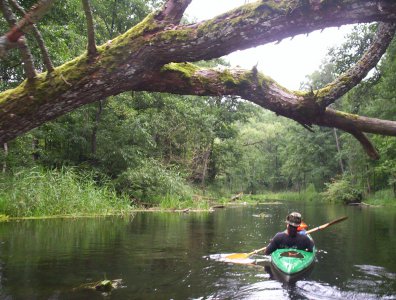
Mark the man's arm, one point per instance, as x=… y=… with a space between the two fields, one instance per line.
x=273 y=244
x=310 y=244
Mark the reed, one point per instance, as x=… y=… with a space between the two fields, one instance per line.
x=38 y=192
x=307 y=195
x=175 y=202
x=382 y=197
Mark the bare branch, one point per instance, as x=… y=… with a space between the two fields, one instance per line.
x=92 y=51
x=173 y=11
x=25 y=51
x=356 y=73
x=342 y=120
x=36 y=33
x=365 y=142
x=35 y=14
x=257 y=88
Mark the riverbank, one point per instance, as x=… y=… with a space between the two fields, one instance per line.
x=65 y=193
x=181 y=207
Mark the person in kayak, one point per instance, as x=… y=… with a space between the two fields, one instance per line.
x=290 y=237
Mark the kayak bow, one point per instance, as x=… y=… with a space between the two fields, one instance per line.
x=291 y=264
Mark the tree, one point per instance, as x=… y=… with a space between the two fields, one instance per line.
x=154 y=56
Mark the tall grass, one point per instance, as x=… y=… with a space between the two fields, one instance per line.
x=173 y=202
x=38 y=192
x=383 y=197
x=310 y=194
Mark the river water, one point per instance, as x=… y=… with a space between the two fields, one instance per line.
x=167 y=255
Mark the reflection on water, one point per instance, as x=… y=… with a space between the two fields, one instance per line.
x=176 y=256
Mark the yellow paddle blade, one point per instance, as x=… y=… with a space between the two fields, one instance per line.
x=238 y=256
x=244 y=255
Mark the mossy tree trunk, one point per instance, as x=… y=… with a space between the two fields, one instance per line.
x=153 y=56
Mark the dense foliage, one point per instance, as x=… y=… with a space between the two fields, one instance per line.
x=152 y=147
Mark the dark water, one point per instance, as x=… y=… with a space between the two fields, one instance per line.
x=164 y=255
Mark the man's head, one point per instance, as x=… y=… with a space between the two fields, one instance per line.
x=294 y=219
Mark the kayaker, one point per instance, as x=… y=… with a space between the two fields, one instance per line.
x=290 y=237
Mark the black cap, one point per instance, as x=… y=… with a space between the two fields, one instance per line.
x=294 y=219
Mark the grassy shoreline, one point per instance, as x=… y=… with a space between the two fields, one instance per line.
x=247 y=200
x=38 y=193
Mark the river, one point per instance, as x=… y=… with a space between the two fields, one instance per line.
x=161 y=255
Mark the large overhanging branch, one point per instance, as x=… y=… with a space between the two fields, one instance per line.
x=136 y=59
x=355 y=74
x=257 y=88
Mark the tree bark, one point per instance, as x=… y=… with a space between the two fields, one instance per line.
x=152 y=55
x=338 y=150
x=92 y=51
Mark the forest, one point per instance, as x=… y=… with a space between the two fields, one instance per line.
x=170 y=149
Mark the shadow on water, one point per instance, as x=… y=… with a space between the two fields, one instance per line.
x=170 y=255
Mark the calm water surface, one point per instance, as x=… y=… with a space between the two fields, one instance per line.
x=165 y=255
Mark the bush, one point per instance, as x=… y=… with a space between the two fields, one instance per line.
x=150 y=182
x=342 y=190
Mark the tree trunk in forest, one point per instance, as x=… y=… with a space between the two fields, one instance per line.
x=212 y=166
x=368 y=180
x=5 y=148
x=205 y=167
x=35 y=154
x=95 y=127
x=338 y=150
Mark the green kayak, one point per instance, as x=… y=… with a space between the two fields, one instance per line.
x=291 y=264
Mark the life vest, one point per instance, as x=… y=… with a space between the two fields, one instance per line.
x=302 y=226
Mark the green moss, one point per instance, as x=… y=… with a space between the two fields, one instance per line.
x=147 y=25
x=7 y=94
x=325 y=91
x=186 y=69
x=347 y=115
x=301 y=93
x=45 y=86
x=228 y=79
x=268 y=8
x=175 y=35
x=253 y=77
x=71 y=72
x=249 y=12
x=113 y=52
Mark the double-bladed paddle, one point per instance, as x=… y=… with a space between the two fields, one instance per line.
x=321 y=227
x=327 y=225
x=244 y=255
